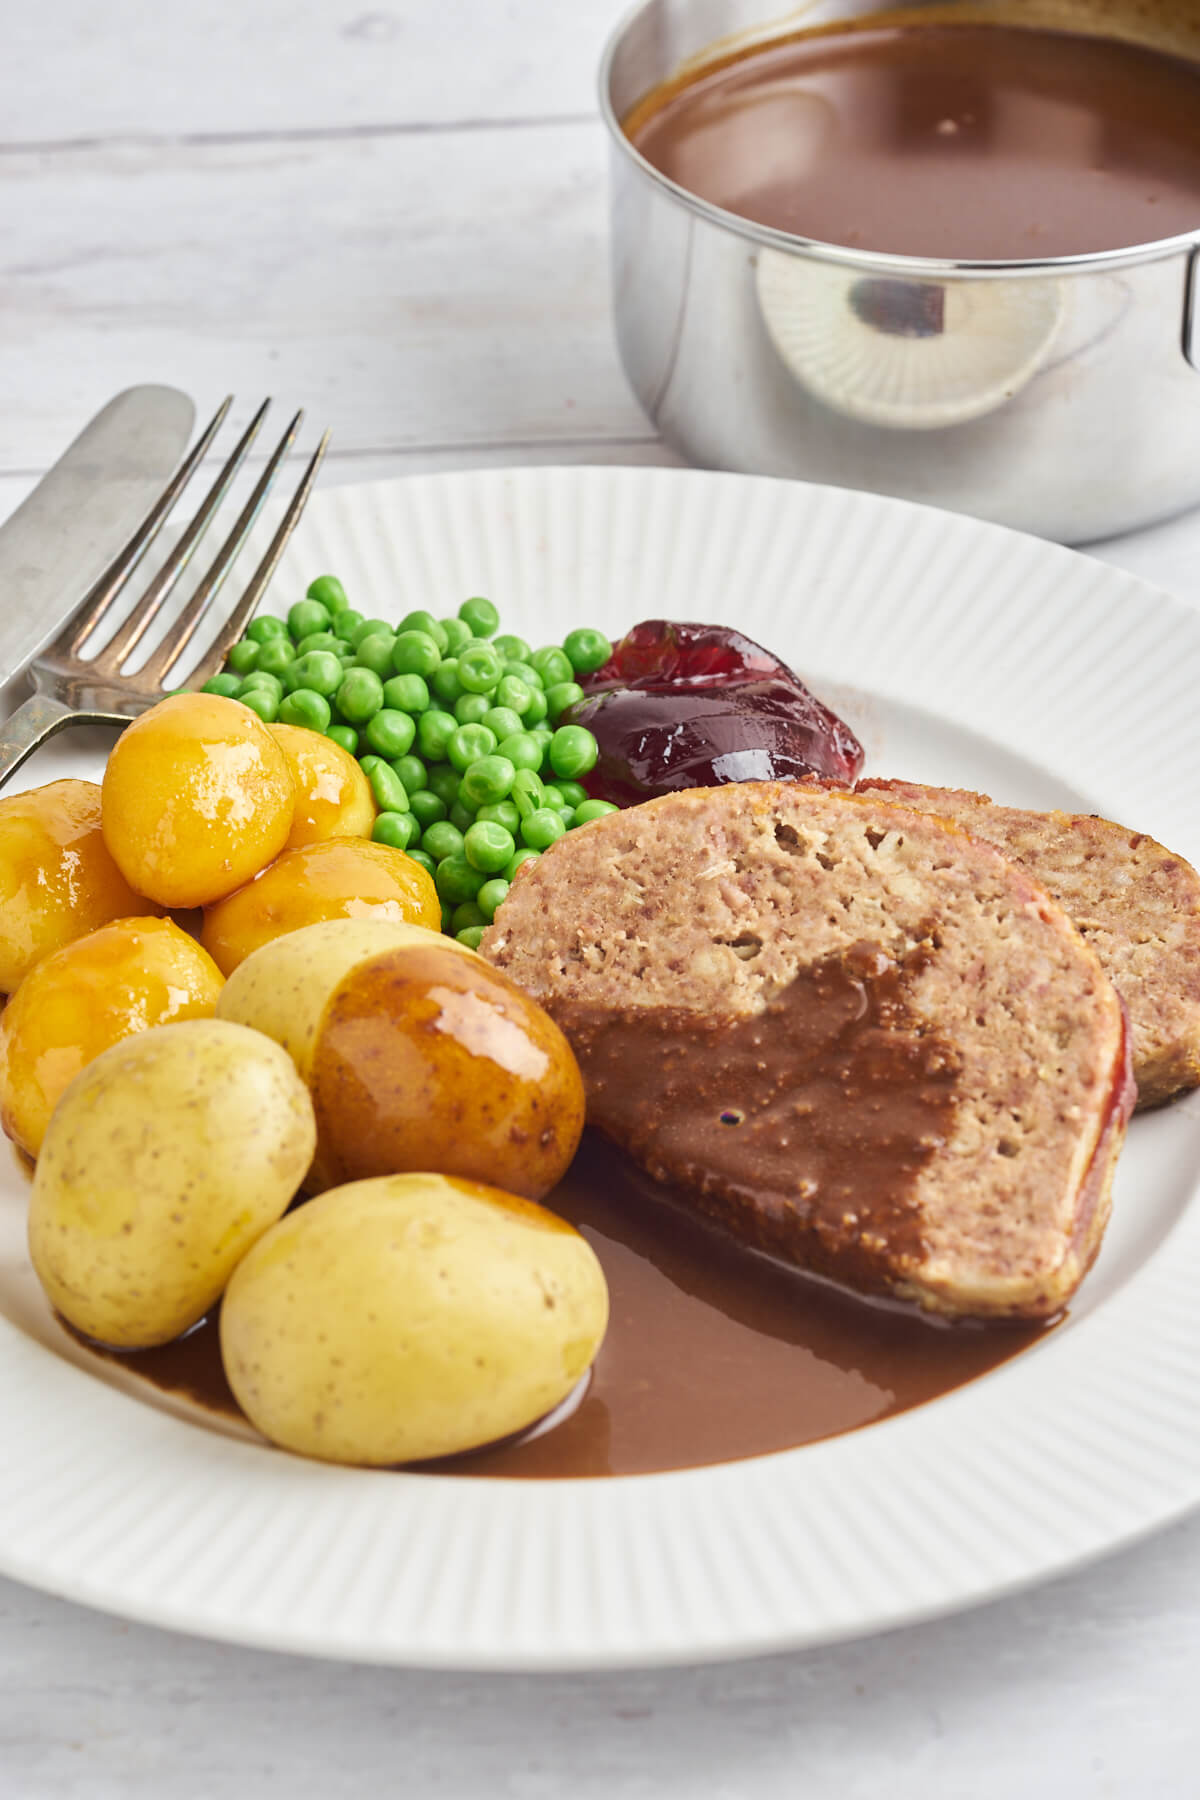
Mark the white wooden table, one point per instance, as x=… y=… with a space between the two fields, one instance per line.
x=394 y=212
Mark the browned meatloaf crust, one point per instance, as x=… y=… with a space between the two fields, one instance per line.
x=1137 y=904
x=855 y=1035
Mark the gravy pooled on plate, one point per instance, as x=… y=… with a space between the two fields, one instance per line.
x=975 y=142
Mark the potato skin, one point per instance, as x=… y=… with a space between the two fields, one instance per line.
x=57 y=878
x=167 y=1158
x=197 y=798
x=408 y=1317
x=342 y=878
x=104 y=987
x=333 y=796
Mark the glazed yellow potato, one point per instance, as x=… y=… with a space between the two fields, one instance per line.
x=333 y=796
x=57 y=878
x=165 y=1161
x=342 y=878
x=418 y=1055
x=104 y=987
x=198 y=797
x=408 y=1317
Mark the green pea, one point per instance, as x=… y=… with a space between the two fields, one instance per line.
x=492 y=896
x=447 y=911
x=228 y=686
x=587 y=649
x=391 y=732
x=306 y=616
x=472 y=937
x=512 y=649
x=527 y=791
x=553 y=665
x=572 y=792
x=442 y=840
x=461 y=817
x=444 y=681
x=522 y=750
x=369 y=762
x=304 y=706
x=406 y=693
x=258 y=678
x=542 y=735
x=320 y=670
x=457 y=880
x=593 y=809
x=322 y=640
x=573 y=751
x=524 y=671
x=464 y=917
x=398 y=829
x=425 y=622
x=499 y=812
x=388 y=789
x=265 y=627
x=364 y=628
x=276 y=655
x=471 y=709
x=537 y=709
x=480 y=615
x=513 y=694
x=411 y=771
x=344 y=736
x=360 y=696
x=488 y=779
x=551 y=796
x=434 y=731
x=443 y=781
x=415 y=653
x=458 y=635
x=330 y=592
x=426 y=808
x=518 y=862
x=542 y=828
x=242 y=657
x=348 y=623
x=480 y=668
x=560 y=696
x=502 y=720
x=423 y=857
x=467 y=744
x=262 y=702
x=374 y=652
x=488 y=847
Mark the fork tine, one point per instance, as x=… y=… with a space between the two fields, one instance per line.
x=129 y=634
x=105 y=589
x=162 y=660
x=257 y=585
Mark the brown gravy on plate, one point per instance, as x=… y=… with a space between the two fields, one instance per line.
x=974 y=142
x=712 y=1354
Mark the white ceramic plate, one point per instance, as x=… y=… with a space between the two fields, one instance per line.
x=962 y=653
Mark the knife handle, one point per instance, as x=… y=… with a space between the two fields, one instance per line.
x=37 y=719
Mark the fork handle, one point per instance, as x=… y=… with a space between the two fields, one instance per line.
x=37 y=719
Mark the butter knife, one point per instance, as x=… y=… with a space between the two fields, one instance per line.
x=80 y=514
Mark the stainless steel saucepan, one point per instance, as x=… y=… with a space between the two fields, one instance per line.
x=1061 y=396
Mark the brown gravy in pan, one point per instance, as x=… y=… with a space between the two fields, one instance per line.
x=976 y=142
x=713 y=1353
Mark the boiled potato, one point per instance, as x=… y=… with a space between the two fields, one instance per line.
x=75 y=1003
x=57 y=878
x=333 y=796
x=198 y=798
x=418 y=1055
x=166 y=1159
x=408 y=1317
x=343 y=878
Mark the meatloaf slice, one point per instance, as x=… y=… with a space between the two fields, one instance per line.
x=1137 y=904
x=857 y=1036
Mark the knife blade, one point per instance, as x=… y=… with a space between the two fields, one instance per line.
x=65 y=533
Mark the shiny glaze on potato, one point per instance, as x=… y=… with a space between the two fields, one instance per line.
x=58 y=880
x=197 y=798
x=333 y=796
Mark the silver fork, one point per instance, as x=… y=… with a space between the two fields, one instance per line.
x=72 y=688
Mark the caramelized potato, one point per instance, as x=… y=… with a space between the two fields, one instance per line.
x=418 y=1056
x=57 y=878
x=410 y=1317
x=333 y=796
x=198 y=798
x=76 y=1002
x=342 y=878
x=166 y=1159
